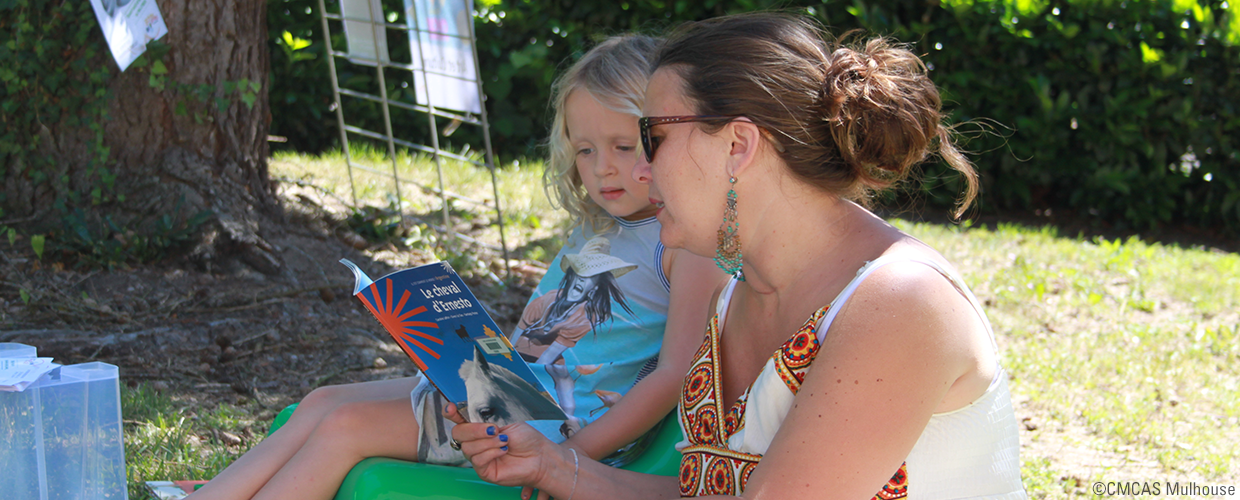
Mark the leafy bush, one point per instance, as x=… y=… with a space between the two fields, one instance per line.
x=97 y=240
x=377 y=224
x=300 y=94
x=1120 y=110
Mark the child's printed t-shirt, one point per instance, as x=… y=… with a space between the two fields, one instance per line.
x=592 y=328
x=594 y=324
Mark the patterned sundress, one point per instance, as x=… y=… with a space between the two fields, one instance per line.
x=972 y=452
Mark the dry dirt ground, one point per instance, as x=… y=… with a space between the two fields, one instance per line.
x=237 y=336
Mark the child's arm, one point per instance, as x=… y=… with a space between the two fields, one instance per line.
x=693 y=279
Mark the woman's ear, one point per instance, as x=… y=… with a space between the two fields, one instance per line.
x=746 y=140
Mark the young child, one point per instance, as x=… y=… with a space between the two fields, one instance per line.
x=612 y=326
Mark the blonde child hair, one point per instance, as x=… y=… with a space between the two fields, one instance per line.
x=615 y=73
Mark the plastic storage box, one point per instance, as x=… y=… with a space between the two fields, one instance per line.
x=60 y=439
x=15 y=350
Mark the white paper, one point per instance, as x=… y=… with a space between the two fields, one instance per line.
x=128 y=25
x=361 y=34
x=443 y=28
x=16 y=374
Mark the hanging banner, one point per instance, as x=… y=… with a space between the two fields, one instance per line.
x=128 y=25
x=441 y=28
x=361 y=34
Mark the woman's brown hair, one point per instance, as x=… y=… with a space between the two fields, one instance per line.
x=852 y=119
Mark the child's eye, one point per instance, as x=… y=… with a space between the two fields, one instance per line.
x=625 y=148
x=585 y=151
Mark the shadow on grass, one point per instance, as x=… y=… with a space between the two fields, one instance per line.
x=1082 y=226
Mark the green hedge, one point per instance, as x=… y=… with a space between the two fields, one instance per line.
x=1122 y=110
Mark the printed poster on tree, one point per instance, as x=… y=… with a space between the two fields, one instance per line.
x=128 y=25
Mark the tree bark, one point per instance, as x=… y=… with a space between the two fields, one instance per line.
x=194 y=145
x=211 y=42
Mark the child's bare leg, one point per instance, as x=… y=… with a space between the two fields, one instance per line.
x=245 y=476
x=346 y=436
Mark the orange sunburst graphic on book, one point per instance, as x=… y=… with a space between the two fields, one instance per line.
x=402 y=324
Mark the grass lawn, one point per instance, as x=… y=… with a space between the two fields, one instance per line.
x=531 y=222
x=1124 y=355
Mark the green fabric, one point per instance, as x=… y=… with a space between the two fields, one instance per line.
x=389 y=479
x=281 y=418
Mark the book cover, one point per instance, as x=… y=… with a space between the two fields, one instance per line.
x=445 y=331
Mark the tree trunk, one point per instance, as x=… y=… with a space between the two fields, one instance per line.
x=213 y=159
x=199 y=143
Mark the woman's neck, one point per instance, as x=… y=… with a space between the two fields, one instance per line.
x=802 y=241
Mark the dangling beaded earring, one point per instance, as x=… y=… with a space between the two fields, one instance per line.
x=728 y=250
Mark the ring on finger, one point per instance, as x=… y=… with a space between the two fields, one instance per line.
x=456 y=445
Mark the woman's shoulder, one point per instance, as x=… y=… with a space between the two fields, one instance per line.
x=908 y=284
x=911 y=276
x=910 y=259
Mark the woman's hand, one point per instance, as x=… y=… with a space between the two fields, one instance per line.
x=509 y=456
x=527 y=492
x=518 y=455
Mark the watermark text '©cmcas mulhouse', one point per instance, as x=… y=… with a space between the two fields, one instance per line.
x=1165 y=488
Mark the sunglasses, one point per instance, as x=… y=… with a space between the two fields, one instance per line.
x=650 y=144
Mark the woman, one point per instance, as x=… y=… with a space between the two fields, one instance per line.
x=884 y=381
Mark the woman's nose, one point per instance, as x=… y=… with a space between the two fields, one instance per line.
x=641 y=171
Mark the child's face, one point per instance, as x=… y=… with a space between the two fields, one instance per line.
x=606 y=145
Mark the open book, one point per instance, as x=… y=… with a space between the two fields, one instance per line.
x=443 y=328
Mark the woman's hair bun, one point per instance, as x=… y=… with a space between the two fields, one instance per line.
x=881 y=108
x=852 y=115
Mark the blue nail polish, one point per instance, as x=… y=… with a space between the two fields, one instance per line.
x=490 y=431
x=505 y=448
x=503 y=438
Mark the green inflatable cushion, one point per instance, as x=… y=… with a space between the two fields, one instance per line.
x=390 y=479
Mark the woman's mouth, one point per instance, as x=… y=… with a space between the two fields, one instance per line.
x=658 y=206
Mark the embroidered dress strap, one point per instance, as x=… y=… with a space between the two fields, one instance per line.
x=874 y=265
